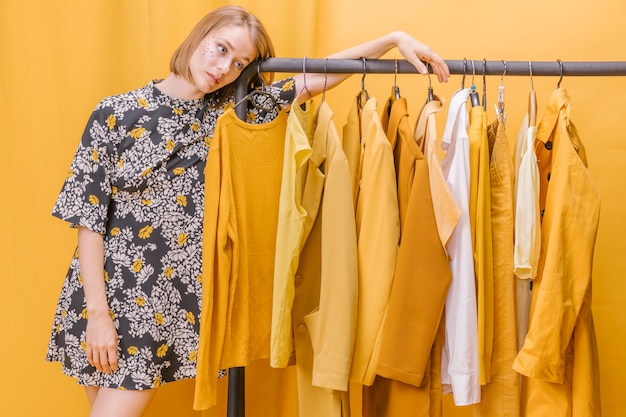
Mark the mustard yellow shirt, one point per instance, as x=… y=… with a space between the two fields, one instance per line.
x=480 y=211
x=501 y=396
x=242 y=188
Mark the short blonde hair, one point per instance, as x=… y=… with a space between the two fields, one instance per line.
x=223 y=16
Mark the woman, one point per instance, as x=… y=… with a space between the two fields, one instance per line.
x=127 y=318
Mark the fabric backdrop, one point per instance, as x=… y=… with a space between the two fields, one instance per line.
x=59 y=58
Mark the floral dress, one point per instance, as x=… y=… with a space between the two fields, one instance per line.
x=137 y=178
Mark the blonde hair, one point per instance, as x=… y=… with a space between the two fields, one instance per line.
x=223 y=16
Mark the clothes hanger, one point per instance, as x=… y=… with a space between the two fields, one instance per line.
x=464 y=71
x=395 y=90
x=304 y=86
x=484 y=84
x=431 y=95
x=499 y=106
x=363 y=92
x=270 y=104
x=558 y=85
x=532 y=99
x=473 y=94
x=325 y=81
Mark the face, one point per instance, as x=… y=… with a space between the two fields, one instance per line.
x=220 y=57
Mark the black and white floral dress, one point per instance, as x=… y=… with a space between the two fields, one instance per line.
x=137 y=178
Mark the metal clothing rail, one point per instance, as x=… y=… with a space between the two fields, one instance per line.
x=401 y=66
x=236 y=376
x=388 y=66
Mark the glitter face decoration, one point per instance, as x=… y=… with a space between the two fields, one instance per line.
x=207 y=48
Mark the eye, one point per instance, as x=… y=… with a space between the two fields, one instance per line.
x=221 y=49
x=239 y=65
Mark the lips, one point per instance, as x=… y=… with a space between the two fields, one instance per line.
x=213 y=78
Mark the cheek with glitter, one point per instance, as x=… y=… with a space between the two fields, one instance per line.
x=206 y=49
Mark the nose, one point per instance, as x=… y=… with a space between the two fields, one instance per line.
x=224 y=65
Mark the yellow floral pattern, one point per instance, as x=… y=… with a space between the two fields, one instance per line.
x=137 y=178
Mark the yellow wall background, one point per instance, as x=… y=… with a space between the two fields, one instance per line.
x=59 y=58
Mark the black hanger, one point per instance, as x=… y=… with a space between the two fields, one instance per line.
x=260 y=91
x=395 y=89
x=431 y=95
x=484 y=84
x=558 y=85
x=363 y=92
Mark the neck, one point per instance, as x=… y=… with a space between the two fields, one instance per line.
x=177 y=87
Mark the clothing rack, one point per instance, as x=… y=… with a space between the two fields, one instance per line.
x=236 y=376
x=401 y=66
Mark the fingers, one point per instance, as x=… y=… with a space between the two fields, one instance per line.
x=103 y=359
x=112 y=359
x=421 y=55
x=437 y=64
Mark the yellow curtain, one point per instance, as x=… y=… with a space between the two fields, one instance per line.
x=59 y=58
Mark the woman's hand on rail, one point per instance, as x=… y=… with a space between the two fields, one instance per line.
x=411 y=49
x=415 y=52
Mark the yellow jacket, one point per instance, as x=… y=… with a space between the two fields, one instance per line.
x=378 y=233
x=289 y=237
x=559 y=355
x=422 y=275
x=325 y=304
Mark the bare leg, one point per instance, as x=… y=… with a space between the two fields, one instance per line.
x=111 y=402
x=92 y=394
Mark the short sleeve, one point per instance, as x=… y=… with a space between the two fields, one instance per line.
x=86 y=193
x=284 y=91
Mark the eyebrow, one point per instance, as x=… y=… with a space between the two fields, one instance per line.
x=230 y=46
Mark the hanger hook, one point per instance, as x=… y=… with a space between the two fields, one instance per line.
x=558 y=85
x=364 y=72
x=500 y=104
x=304 y=86
x=485 y=84
x=530 y=70
x=473 y=73
x=464 y=71
x=363 y=90
x=325 y=80
x=304 y=70
x=395 y=73
x=431 y=95
x=484 y=72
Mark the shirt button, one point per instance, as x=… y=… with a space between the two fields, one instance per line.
x=548 y=146
x=298 y=279
x=549 y=176
x=301 y=328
